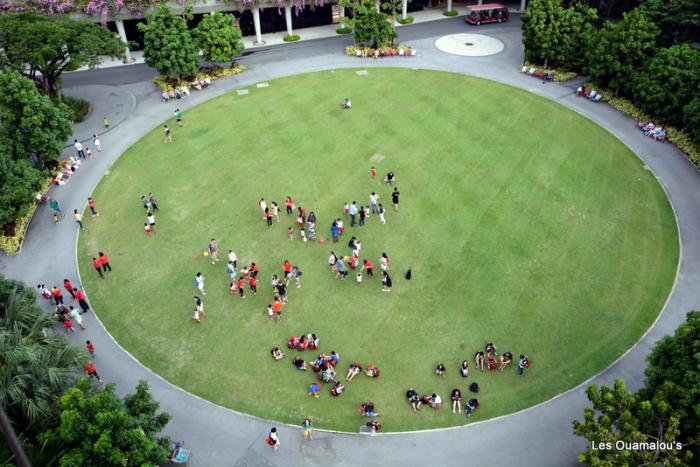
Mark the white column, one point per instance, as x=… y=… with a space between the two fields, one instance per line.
x=377 y=4
x=256 y=23
x=122 y=35
x=341 y=12
x=480 y=2
x=404 y=8
x=449 y=5
x=522 y=5
x=288 y=18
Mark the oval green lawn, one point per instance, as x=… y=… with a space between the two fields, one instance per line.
x=523 y=222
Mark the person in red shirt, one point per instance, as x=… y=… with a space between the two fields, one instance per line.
x=277 y=308
x=373 y=172
x=368 y=266
x=91 y=371
x=289 y=204
x=97 y=264
x=253 y=282
x=90 y=347
x=57 y=295
x=241 y=287
x=104 y=261
x=69 y=287
x=287 y=266
x=254 y=270
x=91 y=205
x=82 y=300
x=68 y=324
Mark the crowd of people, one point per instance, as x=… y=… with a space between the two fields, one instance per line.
x=652 y=130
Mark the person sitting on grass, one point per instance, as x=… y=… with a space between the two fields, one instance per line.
x=506 y=359
x=479 y=359
x=353 y=371
x=293 y=342
x=299 y=364
x=303 y=343
x=337 y=389
x=314 y=389
x=367 y=410
x=491 y=363
x=490 y=348
x=471 y=406
x=346 y=104
x=413 y=398
x=372 y=371
x=328 y=375
x=456 y=397
x=277 y=354
x=464 y=369
x=440 y=369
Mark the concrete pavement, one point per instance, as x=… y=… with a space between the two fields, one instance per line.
x=538 y=436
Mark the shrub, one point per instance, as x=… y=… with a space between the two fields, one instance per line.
x=79 y=108
x=10 y=245
x=408 y=20
x=345 y=30
x=560 y=74
x=451 y=13
x=213 y=73
x=291 y=37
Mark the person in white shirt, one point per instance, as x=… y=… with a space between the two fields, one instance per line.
x=97 y=143
x=79 y=148
x=199 y=282
x=232 y=257
x=373 y=202
x=346 y=104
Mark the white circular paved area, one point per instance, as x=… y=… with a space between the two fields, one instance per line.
x=469 y=45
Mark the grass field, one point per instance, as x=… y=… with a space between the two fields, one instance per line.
x=523 y=222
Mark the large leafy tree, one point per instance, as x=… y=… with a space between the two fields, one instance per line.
x=691 y=117
x=678 y=20
x=218 y=37
x=167 y=44
x=43 y=47
x=98 y=429
x=618 y=418
x=36 y=362
x=673 y=377
x=370 y=26
x=668 y=82
x=19 y=180
x=32 y=126
x=618 y=50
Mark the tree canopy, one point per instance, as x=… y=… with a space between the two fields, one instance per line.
x=218 y=37
x=43 y=47
x=167 y=44
x=370 y=26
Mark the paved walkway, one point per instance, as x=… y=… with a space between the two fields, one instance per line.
x=539 y=436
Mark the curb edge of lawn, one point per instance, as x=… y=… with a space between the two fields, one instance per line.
x=489 y=420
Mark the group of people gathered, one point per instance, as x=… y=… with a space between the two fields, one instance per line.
x=342 y=265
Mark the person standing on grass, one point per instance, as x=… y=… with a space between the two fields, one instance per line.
x=78 y=219
x=68 y=285
x=384 y=263
x=395 y=199
x=277 y=308
x=341 y=271
x=91 y=205
x=232 y=257
x=178 y=117
x=90 y=348
x=154 y=202
x=82 y=300
x=97 y=143
x=332 y=260
x=275 y=211
x=147 y=228
x=213 y=251
x=368 y=266
x=352 y=210
x=290 y=233
x=241 y=287
x=263 y=204
x=231 y=270
x=104 y=261
x=381 y=214
x=79 y=147
x=267 y=215
x=373 y=173
x=386 y=282
x=199 y=282
x=146 y=204
x=287 y=271
x=289 y=204
x=308 y=427
x=335 y=231
x=374 y=202
x=273 y=439
x=98 y=266
x=253 y=282
x=76 y=316
x=362 y=214
x=167 y=137
x=91 y=371
x=296 y=274
x=198 y=305
x=151 y=220
x=522 y=364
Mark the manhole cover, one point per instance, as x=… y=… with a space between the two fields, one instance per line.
x=469 y=44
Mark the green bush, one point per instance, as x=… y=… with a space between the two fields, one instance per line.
x=213 y=73
x=79 y=108
x=451 y=13
x=408 y=20
x=291 y=37
x=345 y=30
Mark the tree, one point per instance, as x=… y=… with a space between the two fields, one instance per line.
x=678 y=20
x=691 y=117
x=218 y=37
x=167 y=44
x=36 y=362
x=673 y=375
x=370 y=26
x=668 y=82
x=618 y=50
x=32 y=126
x=624 y=419
x=43 y=47
x=97 y=429
x=18 y=183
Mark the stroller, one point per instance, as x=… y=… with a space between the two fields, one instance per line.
x=178 y=454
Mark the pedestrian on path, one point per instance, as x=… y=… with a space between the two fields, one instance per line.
x=91 y=371
x=67 y=323
x=97 y=143
x=76 y=316
x=68 y=285
x=57 y=295
x=90 y=348
x=56 y=208
x=199 y=282
x=79 y=147
x=213 y=251
x=105 y=122
x=78 y=219
x=104 y=261
x=82 y=300
x=273 y=439
x=308 y=429
x=91 y=205
x=178 y=117
x=167 y=137
x=154 y=202
x=97 y=264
